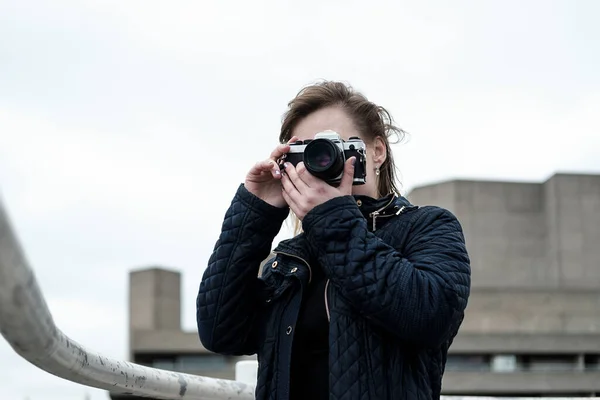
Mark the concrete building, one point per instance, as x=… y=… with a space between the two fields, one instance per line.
x=532 y=326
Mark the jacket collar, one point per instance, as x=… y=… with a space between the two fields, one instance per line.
x=378 y=211
x=368 y=205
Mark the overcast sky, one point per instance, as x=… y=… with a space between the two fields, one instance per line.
x=126 y=126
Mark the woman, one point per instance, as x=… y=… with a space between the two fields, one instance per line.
x=366 y=300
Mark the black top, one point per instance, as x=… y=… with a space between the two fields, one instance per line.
x=309 y=377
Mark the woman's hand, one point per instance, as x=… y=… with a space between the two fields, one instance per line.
x=264 y=179
x=302 y=191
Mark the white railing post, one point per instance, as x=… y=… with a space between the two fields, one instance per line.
x=27 y=325
x=246 y=371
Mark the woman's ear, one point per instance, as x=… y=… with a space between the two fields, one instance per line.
x=379 y=151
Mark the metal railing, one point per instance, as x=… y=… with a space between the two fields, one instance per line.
x=27 y=325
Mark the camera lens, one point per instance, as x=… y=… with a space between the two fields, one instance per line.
x=323 y=159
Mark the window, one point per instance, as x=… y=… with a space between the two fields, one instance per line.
x=164 y=363
x=186 y=362
x=505 y=363
x=592 y=362
x=514 y=363
x=468 y=362
x=549 y=362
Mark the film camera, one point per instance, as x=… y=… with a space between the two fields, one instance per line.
x=325 y=155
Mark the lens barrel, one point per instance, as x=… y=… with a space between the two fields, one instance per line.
x=323 y=159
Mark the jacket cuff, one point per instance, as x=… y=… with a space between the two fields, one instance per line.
x=329 y=208
x=260 y=206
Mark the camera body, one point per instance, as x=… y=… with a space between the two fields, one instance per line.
x=325 y=155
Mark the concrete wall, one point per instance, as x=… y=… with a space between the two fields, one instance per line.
x=166 y=341
x=520 y=383
x=154 y=304
x=573 y=221
x=535 y=259
x=524 y=343
x=533 y=312
x=527 y=235
x=154 y=299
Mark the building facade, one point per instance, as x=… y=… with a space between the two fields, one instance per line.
x=532 y=326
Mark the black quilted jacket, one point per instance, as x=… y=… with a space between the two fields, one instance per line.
x=395 y=296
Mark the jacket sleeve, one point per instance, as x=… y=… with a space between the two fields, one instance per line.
x=419 y=295
x=228 y=299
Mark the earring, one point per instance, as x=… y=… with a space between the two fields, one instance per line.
x=377 y=172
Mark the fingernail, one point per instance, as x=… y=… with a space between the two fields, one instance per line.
x=285 y=165
x=277 y=172
x=353 y=160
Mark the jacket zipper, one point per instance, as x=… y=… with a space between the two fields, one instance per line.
x=301 y=259
x=375 y=213
x=327 y=301
x=310 y=278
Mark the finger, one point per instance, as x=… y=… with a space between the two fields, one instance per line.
x=282 y=148
x=288 y=187
x=267 y=165
x=275 y=171
x=309 y=179
x=291 y=203
x=279 y=151
x=348 y=176
x=291 y=172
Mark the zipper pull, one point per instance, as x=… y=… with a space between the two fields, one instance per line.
x=374 y=214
